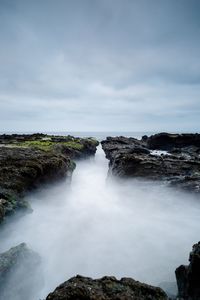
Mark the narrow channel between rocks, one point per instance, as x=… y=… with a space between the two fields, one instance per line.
x=97 y=227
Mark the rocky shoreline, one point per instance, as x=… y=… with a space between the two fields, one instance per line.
x=171 y=158
x=27 y=161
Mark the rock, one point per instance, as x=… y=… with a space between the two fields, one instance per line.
x=115 y=145
x=106 y=288
x=180 y=167
x=2 y=209
x=167 y=141
x=20 y=273
x=23 y=169
x=27 y=161
x=188 y=277
x=75 y=147
x=84 y=148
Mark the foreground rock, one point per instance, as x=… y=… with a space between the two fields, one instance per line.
x=105 y=288
x=20 y=273
x=188 y=277
x=179 y=166
x=27 y=161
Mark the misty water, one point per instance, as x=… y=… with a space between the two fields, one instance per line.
x=97 y=227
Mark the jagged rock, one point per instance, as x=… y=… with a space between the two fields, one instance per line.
x=188 y=277
x=106 y=288
x=167 y=141
x=20 y=273
x=115 y=145
x=134 y=158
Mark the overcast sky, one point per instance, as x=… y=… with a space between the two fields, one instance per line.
x=99 y=65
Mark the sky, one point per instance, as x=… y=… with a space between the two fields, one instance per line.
x=99 y=65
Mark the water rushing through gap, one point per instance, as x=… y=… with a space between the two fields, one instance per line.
x=100 y=227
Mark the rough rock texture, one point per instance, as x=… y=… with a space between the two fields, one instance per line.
x=26 y=161
x=137 y=158
x=188 y=277
x=74 y=147
x=167 y=141
x=105 y=288
x=23 y=169
x=20 y=273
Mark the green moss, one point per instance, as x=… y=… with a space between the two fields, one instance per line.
x=73 y=145
x=93 y=141
x=43 y=145
x=48 y=142
x=48 y=145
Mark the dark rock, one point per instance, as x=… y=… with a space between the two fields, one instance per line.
x=23 y=169
x=20 y=273
x=114 y=145
x=2 y=209
x=188 y=277
x=130 y=157
x=27 y=161
x=167 y=141
x=87 y=147
x=106 y=288
x=144 y=138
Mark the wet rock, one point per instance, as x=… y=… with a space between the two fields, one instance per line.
x=74 y=147
x=27 y=161
x=134 y=158
x=84 y=148
x=115 y=145
x=106 y=288
x=2 y=210
x=20 y=273
x=167 y=141
x=188 y=277
x=23 y=169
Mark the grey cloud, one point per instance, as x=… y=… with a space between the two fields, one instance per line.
x=126 y=65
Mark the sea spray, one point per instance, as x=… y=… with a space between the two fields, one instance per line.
x=98 y=227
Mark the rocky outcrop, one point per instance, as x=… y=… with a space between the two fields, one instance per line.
x=113 y=146
x=106 y=288
x=76 y=148
x=23 y=169
x=167 y=141
x=180 y=166
x=188 y=277
x=20 y=273
x=27 y=161
x=73 y=147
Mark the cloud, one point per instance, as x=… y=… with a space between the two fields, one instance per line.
x=99 y=65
